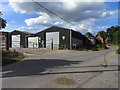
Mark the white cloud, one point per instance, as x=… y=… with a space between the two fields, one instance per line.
x=82 y=14
x=101 y=27
x=108 y=13
x=104 y=14
x=43 y=19
x=83 y=26
x=92 y=19
x=72 y=11
x=30 y=28
x=58 y=23
x=21 y=28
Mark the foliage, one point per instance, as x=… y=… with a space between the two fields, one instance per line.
x=118 y=50
x=9 y=57
x=102 y=34
x=113 y=35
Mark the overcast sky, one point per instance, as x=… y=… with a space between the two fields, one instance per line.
x=86 y=16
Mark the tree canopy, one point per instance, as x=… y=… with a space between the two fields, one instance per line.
x=113 y=34
x=102 y=34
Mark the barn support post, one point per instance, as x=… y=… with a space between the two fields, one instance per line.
x=33 y=45
x=25 y=41
x=52 y=44
x=7 y=41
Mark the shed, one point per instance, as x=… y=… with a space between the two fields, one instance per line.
x=60 y=38
x=18 y=39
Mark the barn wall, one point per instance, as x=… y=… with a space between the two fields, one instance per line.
x=77 y=42
x=43 y=39
x=62 y=32
x=66 y=42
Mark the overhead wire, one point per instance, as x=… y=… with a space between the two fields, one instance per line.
x=53 y=12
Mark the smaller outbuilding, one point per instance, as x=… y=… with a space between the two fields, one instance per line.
x=18 y=39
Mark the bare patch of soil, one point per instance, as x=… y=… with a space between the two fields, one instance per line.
x=64 y=81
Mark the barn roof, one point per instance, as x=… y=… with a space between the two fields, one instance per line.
x=55 y=27
x=21 y=32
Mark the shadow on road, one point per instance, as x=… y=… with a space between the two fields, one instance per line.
x=34 y=67
x=39 y=67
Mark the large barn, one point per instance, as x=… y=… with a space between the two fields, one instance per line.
x=60 y=38
x=53 y=37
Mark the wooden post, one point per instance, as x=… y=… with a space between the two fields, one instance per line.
x=7 y=41
x=52 y=44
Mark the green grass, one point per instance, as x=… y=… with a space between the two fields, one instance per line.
x=118 y=50
x=9 y=57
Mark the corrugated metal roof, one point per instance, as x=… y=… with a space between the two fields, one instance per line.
x=55 y=27
x=22 y=32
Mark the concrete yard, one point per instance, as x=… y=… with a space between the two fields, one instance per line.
x=73 y=69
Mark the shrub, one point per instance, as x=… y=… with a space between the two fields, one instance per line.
x=118 y=50
x=9 y=57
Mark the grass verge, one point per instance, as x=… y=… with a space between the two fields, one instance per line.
x=9 y=57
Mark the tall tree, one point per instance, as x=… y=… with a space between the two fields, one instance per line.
x=102 y=34
x=113 y=34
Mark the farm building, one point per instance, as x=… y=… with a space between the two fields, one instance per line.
x=18 y=39
x=60 y=38
x=53 y=37
x=90 y=37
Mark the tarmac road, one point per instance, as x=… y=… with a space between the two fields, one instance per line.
x=85 y=68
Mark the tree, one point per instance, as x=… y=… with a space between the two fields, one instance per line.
x=2 y=22
x=113 y=34
x=102 y=34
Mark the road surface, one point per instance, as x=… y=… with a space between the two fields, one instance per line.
x=85 y=68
